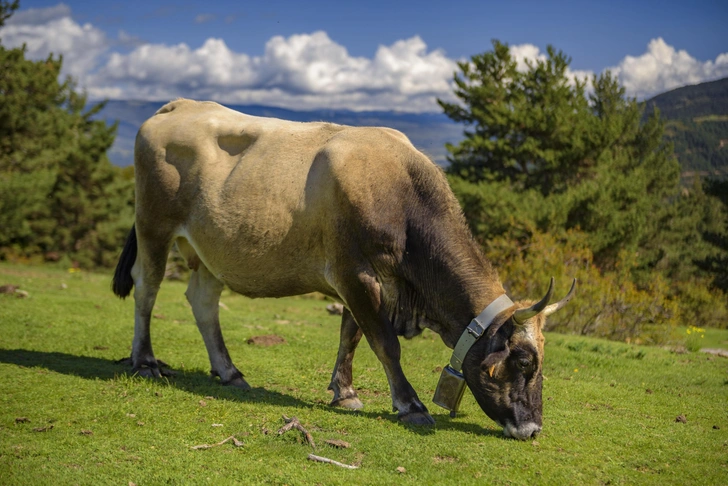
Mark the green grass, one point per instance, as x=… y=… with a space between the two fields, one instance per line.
x=609 y=408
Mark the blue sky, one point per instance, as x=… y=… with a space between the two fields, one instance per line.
x=360 y=55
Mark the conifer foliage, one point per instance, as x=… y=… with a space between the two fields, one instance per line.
x=553 y=163
x=60 y=197
x=536 y=129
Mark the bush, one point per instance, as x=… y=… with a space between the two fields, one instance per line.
x=700 y=305
x=607 y=305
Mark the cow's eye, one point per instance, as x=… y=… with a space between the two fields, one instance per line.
x=524 y=363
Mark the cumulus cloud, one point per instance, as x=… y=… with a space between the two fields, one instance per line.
x=300 y=71
x=529 y=52
x=526 y=52
x=52 y=30
x=663 y=68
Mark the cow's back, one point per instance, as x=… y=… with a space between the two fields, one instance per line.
x=264 y=201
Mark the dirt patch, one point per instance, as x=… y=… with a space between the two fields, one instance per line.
x=441 y=459
x=267 y=340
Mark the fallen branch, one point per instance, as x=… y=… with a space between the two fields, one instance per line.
x=207 y=446
x=293 y=423
x=312 y=457
x=340 y=444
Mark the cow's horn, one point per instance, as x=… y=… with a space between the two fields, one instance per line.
x=522 y=315
x=550 y=309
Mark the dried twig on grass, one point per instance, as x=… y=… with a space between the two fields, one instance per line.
x=207 y=446
x=293 y=423
x=312 y=457
x=340 y=444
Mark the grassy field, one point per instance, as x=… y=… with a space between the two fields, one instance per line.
x=70 y=415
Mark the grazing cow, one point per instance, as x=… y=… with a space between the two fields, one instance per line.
x=272 y=208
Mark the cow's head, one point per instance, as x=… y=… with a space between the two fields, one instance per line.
x=504 y=368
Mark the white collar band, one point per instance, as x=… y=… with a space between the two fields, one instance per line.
x=475 y=330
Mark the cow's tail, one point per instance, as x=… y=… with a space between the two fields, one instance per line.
x=123 y=282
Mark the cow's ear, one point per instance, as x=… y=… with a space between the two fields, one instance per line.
x=494 y=359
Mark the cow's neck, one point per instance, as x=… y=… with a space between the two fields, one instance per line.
x=448 y=280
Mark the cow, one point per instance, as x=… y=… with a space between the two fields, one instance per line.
x=275 y=208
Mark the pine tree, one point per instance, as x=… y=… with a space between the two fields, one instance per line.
x=717 y=236
x=527 y=127
x=597 y=168
x=59 y=194
x=7 y=9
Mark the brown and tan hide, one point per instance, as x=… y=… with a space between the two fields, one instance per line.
x=273 y=208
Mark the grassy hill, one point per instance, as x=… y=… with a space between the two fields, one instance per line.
x=69 y=414
x=697 y=125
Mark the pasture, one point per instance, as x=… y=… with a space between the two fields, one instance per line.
x=70 y=415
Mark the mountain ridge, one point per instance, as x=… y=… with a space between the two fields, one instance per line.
x=428 y=131
x=696 y=122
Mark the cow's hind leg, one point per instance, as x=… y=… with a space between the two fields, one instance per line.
x=203 y=293
x=341 y=378
x=147 y=273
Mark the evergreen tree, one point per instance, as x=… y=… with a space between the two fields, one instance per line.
x=527 y=127
x=59 y=194
x=7 y=9
x=597 y=167
x=717 y=264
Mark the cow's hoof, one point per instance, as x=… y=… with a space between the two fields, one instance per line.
x=417 y=418
x=352 y=403
x=238 y=382
x=151 y=372
x=147 y=370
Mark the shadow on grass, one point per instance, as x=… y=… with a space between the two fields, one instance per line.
x=201 y=384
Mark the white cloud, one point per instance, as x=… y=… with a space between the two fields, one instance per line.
x=663 y=68
x=526 y=52
x=40 y=16
x=81 y=45
x=300 y=71
x=203 y=18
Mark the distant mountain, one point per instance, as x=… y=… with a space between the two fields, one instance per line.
x=428 y=131
x=697 y=124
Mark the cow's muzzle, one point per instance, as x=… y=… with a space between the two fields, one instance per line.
x=525 y=431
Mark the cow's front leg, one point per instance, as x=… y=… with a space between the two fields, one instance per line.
x=341 y=379
x=203 y=293
x=363 y=297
